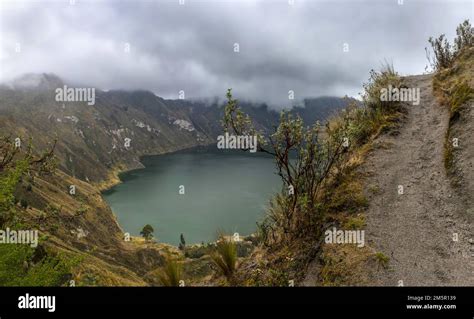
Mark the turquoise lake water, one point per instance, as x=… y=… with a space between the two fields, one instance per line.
x=224 y=191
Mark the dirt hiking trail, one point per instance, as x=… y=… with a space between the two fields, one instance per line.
x=416 y=229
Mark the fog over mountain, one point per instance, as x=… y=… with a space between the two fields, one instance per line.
x=166 y=47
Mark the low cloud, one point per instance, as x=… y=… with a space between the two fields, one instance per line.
x=190 y=47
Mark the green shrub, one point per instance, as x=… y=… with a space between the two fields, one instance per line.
x=171 y=273
x=308 y=158
x=464 y=36
x=24 y=203
x=225 y=257
x=18 y=267
x=195 y=252
x=378 y=81
x=382 y=259
x=462 y=93
x=8 y=183
x=445 y=53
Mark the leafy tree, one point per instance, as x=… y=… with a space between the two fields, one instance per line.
x=304 y=161
x=147 y=232
x=311 y=159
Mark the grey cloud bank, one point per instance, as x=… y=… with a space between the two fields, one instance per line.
x=165 y=47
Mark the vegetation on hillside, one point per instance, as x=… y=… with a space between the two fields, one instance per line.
x=21 y=264
x=147 y=232
x=321 y=186
x=303 y=161
x=171 y=273
x=317 y=167
x=225 y=257
x=443 y=54
x=453 y=81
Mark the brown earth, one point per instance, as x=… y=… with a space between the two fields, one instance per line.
x=426 y=232
x=416 y=230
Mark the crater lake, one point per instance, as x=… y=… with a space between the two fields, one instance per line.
x=224 y=191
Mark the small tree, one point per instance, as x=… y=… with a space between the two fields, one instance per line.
x=24 y=203
x=444 y=52
x=465 y=36
x=147 y=232
x=304 y=161
x=182 y=242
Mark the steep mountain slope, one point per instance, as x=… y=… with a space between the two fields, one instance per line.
x=91 y=150
x=92 y=138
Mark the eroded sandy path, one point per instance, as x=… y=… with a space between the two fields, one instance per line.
x=416 y=229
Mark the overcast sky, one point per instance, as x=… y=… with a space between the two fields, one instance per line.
x=190 y=47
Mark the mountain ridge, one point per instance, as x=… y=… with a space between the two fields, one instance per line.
x=97 y=133
x=91 y=151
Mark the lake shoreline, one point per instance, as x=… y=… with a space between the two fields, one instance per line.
x=115 y=174
x=226 y=190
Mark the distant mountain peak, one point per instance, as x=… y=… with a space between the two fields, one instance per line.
x=36 y=81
